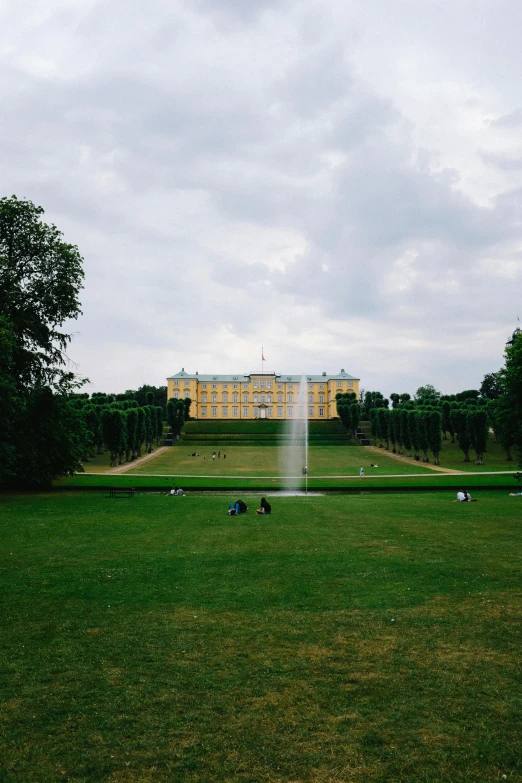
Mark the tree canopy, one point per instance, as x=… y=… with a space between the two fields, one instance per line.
x=40 y=280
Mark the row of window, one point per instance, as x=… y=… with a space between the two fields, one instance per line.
x=269 y=411
x=257 y=397
x=266 y=398
x=263 y=385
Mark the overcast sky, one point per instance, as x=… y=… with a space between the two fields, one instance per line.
x=338 y=181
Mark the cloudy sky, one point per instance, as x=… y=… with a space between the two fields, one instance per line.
x=339 y=181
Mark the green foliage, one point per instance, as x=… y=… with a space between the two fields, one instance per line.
x=413 y=432
x=459 y=422
x=176 y=416
x=140 y=395
x=114 y=432
x=382 y=415
x=10 y=403
x=395 y=399
x=49 y=440
x=492 y=386
x=404 y=437
x=372 y=400
x=131 y=421
x=477 y=425
x=468 y=394
x=40 y=279
x=427 y=395
x=141 y=433
x=510 y=402
x=433 y=426
x=348 y=410
x=446 y=422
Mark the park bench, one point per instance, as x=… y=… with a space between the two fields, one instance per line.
x=121 y=492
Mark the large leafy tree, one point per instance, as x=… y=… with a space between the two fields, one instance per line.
x=40 y=280
x=427 y=395
x=492 y=386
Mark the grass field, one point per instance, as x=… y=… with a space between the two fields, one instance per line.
x=323 y=460
x=344 y=638
x=329 y=467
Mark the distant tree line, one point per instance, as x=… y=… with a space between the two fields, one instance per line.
x=119 y=424
x=420 y=425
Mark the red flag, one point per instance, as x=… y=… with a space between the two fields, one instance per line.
x=262 y=355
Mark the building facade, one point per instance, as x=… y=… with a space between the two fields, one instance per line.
x=260 y=395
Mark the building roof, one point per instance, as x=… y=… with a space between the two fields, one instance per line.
x=246 y=378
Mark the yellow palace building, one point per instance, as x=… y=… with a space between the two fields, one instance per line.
x=260 y=395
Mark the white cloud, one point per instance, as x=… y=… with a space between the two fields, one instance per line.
x=340 y=185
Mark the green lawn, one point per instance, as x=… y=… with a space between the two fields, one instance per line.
x=251 y=460
x=344 y=638
x=324 y=460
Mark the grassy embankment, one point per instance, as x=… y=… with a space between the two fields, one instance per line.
x=359 y=638
x=256 y=463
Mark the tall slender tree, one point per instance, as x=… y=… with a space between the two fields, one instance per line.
x=460 y=425
x=477 y=425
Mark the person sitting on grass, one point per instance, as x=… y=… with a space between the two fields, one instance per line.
x=515 y=494
x=179 y=492
x=266 y=508
x=241 y=506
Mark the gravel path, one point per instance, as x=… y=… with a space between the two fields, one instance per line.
x=412 y=462
x=140 y=461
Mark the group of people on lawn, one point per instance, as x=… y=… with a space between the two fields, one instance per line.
x=240 y=507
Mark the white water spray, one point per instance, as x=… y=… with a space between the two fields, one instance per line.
x=293 y=456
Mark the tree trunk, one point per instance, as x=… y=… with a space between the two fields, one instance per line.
x=425 y=457
x=113 y=459
x=417 y=454
x=466 y=455
x=508 y=454
x=436 y=458
x=409 y=453
x=480 y=458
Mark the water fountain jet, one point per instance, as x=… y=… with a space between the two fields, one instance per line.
x=293 y=457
